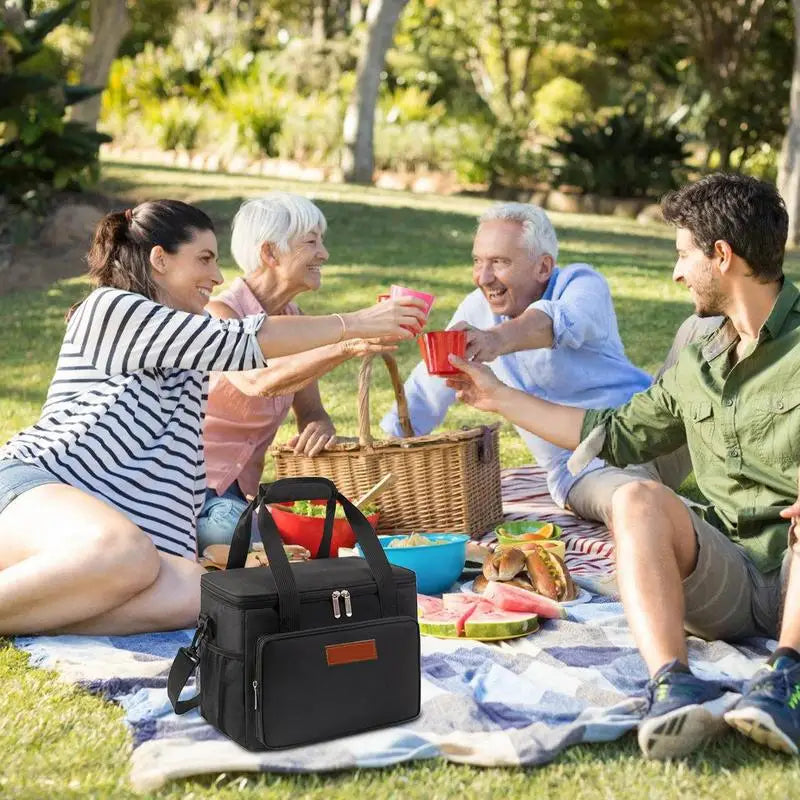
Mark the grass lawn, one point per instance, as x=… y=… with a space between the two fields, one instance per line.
x=56 y=741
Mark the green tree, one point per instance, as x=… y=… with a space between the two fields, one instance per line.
x=40 y=150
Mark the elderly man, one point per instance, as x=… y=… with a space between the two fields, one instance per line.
x=549 y=331
x=732 y=398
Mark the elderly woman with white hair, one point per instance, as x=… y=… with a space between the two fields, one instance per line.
x=277 y=241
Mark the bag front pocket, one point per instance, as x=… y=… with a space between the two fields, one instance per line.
x=328 y=682
x=222 y=690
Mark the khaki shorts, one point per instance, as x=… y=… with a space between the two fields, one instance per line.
x=726 y=596
x=590 y=496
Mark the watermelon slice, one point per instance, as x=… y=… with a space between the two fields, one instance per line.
x=449 y=624
x=489 y=622
x=453 y=601
x=428 y=605
x=512 y=598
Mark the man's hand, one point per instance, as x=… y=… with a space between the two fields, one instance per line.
x=476 y=385
x=792 y=513
x=317 y=436
x=481 y=345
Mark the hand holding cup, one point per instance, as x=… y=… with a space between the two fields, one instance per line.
x=475 y=384
x=389 y=320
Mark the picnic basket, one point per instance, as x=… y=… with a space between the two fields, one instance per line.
x=446 y=482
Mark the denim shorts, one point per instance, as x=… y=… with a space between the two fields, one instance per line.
x=17 y=477
x=217 y=521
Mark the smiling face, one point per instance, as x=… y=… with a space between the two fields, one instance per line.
x=699 y=273
x=187 y=277
x=300 y=267
x=505 y=270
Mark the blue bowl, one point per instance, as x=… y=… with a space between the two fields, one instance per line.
x=438 y=566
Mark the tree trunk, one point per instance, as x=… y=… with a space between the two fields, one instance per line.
x=319 y=28
x=110 y=22
x=356 y=13
x=789 y=173
x=358 y=157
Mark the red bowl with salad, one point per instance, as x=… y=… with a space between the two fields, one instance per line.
x=303 y=521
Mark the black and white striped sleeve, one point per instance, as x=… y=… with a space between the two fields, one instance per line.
x=121 y=332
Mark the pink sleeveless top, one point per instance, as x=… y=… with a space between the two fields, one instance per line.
x=238 y=428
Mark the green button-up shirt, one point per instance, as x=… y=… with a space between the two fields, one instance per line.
x=741 y=424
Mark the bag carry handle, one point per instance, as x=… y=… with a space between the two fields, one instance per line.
x=309 y=488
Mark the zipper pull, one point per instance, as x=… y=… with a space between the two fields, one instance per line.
x=348 y=609
x=335 y=600
x=255 y=695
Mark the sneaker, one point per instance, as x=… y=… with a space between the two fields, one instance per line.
x=769 y=711
x=677 y=722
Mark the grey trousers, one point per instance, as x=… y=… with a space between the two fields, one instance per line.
x=590 y=496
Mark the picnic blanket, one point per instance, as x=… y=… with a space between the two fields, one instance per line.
x=517 y=703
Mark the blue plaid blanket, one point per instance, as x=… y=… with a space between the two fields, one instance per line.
x=518 y=703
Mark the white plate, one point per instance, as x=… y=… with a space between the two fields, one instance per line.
x=583 y=595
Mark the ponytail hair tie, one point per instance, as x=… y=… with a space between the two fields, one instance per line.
x=129 y=215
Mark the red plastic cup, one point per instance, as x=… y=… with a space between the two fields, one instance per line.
x=382 y=297
x=436 y=346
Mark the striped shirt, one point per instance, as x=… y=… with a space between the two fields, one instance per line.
x=124 y=412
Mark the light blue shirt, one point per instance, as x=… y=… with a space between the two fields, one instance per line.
x=586 y=366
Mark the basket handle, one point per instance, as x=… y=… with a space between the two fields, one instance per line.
x=364 y=377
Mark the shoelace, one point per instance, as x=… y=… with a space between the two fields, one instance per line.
x=779 y=683
x=661 y=689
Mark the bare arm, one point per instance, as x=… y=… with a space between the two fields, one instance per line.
x=530 y=330
x=289 y=374
x=477 y=386
x=283 y=335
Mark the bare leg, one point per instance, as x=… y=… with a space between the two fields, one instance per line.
x=656 y=550
x=171 y=601
x=66 y=557
x=790 y=627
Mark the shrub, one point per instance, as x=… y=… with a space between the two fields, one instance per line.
x=308 y=69
x=559 y=102
x=411 y=104
x=311 y=130
x=625 y=156
x=175 y=124
x=507 y=159
x=564 y=60
x=40 y=151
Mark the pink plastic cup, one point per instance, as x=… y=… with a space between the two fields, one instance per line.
x=436 y=346
x=402 y=291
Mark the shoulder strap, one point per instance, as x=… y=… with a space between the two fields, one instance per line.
x=183 y=666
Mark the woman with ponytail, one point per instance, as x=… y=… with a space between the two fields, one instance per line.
x=99 y=498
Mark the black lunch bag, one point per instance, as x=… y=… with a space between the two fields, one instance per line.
x=292 y=654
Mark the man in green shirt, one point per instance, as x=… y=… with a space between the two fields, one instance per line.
x=734 y=398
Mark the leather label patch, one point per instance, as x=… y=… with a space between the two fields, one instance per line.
x=350 y=653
